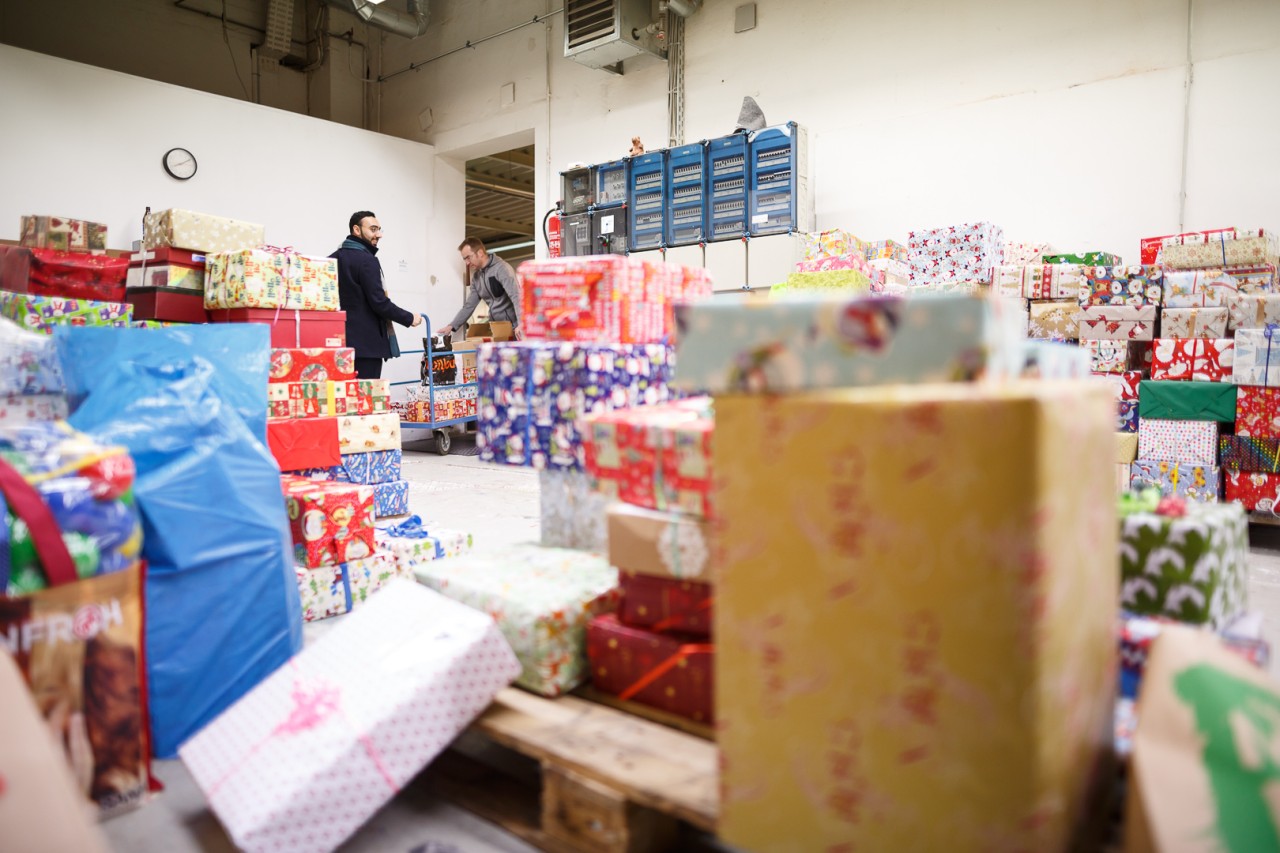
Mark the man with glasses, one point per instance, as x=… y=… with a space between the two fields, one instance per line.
x=361 y=292
x=494 y=281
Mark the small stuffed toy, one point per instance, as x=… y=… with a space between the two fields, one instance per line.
x=637 y=147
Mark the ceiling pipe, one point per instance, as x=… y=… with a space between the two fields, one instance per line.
x=411 y=24
x=684 y=8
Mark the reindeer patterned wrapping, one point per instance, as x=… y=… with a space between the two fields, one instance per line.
x=1192 y=568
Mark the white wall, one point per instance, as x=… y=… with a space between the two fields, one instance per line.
x=1060 y=121
x=86 y=143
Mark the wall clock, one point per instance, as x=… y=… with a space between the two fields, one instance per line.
x=179 y=163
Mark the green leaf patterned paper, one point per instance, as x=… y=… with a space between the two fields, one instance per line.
x=1192 y=568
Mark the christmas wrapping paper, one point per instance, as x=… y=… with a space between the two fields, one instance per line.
x=1118 y=322
x=1127 y=416
x=1258 y=411
x=262 y=278
x=849 y=282
x=378 y=466
x=1198 y=288
x=323 y=591
x=1194 y=322
x=331 y=523
x=43 y=313
x=1141 y=354
x=1025 y=254
x=28 y=362
x=833 y=243
x=1193 y=568
x=673 y=674
x=1249 y=453
x=886 y=250
x=1054 y=360
x=1254 y=490
x=450 y=403
x=1119 y=285
x=322 y=399
x=411 y=542
x=65 y=275
x=865 y=678
x=1088 y=259
x=665 y=605
x=793 y=344
x=533 y=395
x=1259 y=279
x=1137 y=633
x=304 y=443
x=1126 y=448
x=662 y=544
x=541 y=598
x=291 y=328
x=167 y=304
x=1192 y=442
x=854 y=261
x=1124 y=385
x=1253 y=310
x=365 y=433
x=573 y=513
x=177 y=276
x=968 y=252
x=1188 y=401
x=600 y=298
x=32 y=407
x=312 y=365
x=62 y=234
x=390 y=498
x=1198 y=359
x=1107 y=356
x=1190 y=482
x=1038 y=281
x=311 y=753
x=1054 y=320
x=365 y=577
x=1151 y=248
x=1198 y=251
x=199 y=232
x=653 y=456
x=1257 y=357
x=154 y=324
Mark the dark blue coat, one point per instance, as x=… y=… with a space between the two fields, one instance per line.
x=363 y=298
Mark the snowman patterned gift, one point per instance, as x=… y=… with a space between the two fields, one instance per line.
x=331 y=522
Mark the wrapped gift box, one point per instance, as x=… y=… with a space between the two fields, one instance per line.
x=1191 y=442
x=1120 y=285
x=1253 y=310
x=1228 y=248
x=1194 y=322
x=968 y=252
x=259 y=278
x=1038 y=281
x=1141 y=354
x=846 y=282
x=1259 y=279
x=1126 y=448
x=324 y=592
x=411 y=542
x=1127 y=416
x=175 y=276
x=1118 y=322
x=672 y=674
x=63 y=234
x=1025 y=254
x=167 y=305
x=541 y=598
x=1125 y=385
x=595 y=299
x=311 y=753
x=854 y=261
x=1054 y=320
x=62 y=275
x=886 y=250
x=1137 y=633
x=331 y=523
x=1088 y=259
x=1106 y=356
x=1257 y=357
x=653 y=456
x=1198 y=288
x=870 y=658
x=1123 y=476
x=28 y=362
x=1254 y=490
x=365 y=577
x=1198 y=359
x=1054 y=360
x=832 y=243
x=32 y=407
x=665 y=605
x=199 y=232
x=390 y=498
x=794 y=344
x=295 y=399
x=1188 y=401
x=377 y=394
x=573 y=512
x=302 y=443
x=378 y=466
x=312 y=364
x=1193 y=568
x=662 y=544
x=1152 y=247
x=1258 y=411
x=365 y=433
x=291 y=328
x=43 y=313
x=1191 y=482
x=1249 y=453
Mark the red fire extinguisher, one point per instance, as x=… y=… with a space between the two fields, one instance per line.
x=551 y=231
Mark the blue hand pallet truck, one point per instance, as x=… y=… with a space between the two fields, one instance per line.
x=439 y=428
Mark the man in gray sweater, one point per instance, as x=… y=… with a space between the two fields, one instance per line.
x=494 y=281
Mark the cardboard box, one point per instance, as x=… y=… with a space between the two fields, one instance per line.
x=291 y=328
x=167 y=305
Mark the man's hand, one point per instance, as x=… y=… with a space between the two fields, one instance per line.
x=519 y=334
x=417 y=320
x=444 y=330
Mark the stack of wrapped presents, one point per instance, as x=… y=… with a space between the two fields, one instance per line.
x=838 y=260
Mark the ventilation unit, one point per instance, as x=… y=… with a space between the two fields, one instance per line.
x=602 y=33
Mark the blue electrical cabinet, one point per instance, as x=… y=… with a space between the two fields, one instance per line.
x=727 y=190
x=687 y=195
x=647 y=201
x=611 y=184
x=781 y=200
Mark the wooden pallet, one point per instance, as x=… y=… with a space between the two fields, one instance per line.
x=603 y=780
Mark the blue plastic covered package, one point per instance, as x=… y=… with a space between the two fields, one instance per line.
x=222 y=604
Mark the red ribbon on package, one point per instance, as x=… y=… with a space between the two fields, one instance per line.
x=666 y=666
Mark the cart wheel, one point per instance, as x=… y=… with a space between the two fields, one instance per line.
x=443 y=442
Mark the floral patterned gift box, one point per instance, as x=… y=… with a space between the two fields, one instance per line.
x=1230 y=247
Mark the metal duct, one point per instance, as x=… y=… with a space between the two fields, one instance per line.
x=684 y=8
x=411 y=24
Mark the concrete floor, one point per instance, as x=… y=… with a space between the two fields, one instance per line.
x=500 y=506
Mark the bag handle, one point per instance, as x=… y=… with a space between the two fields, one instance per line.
x=46 y=535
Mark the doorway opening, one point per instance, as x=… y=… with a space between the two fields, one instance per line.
x=500 y=206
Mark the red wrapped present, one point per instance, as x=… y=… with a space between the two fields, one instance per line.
x=1198 y=359
x=1125 y=385
x=299 y=444
x=1258 y=411
x=663 y=671
x=65 y=275
x=665 y=605
x=290 y=328
x=166 y=304
x=178 y=269
x=331 y=522
x=604 y=298
x=1255 y=490
x=1149 y=247
x=315 y=364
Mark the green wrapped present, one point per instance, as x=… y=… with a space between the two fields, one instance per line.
x=41 y=313
x=1190 y=567
x=542 y=600
x=850 y=281
x=1089 y=259
x=1174 y=400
